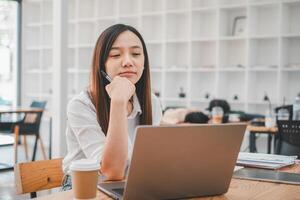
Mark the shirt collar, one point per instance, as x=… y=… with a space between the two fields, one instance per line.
x=136 y=108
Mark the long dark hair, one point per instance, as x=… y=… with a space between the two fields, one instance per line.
x=97 y=90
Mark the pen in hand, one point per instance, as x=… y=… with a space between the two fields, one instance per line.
x=106 y=76
x=109 y=80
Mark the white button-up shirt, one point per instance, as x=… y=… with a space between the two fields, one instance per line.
x=85 y=138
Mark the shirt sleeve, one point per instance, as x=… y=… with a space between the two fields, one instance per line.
x=156 y=111
x=83 y=122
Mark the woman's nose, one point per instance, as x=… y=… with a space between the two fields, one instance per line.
x=127 y=61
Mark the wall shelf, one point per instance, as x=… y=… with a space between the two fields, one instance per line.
x=191 y=45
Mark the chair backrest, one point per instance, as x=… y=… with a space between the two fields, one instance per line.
x=38 y=104
x=221 y=103
x=33 y=120
x=288 y=138
x=38 y=175
x=288 y=107
x=289 y=131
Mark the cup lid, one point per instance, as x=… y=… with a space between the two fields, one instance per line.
x=84 y=165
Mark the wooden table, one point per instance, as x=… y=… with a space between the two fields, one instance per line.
x=19 y=110
x=239 y=189
x=253 y=130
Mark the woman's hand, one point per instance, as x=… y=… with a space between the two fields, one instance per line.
x=120 y=89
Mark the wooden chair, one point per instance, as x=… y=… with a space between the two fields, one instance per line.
x=28 y=123
x=31 y=177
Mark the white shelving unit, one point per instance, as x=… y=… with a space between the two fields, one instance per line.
x=190 y=44
x=37 y=52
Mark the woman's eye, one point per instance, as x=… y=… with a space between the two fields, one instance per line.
x=136 y=54
x=115 y=55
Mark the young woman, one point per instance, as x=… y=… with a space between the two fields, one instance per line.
x=102 y=120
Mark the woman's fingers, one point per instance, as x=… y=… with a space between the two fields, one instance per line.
x=120 y=88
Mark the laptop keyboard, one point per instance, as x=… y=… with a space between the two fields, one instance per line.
x=119 y=191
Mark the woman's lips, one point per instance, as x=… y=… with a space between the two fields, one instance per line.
x=127 y=74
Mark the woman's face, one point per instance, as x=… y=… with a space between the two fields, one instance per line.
x=126 y=57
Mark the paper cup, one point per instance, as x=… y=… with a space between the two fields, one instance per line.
x=84 y=174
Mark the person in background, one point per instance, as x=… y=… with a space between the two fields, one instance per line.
x=101 y=120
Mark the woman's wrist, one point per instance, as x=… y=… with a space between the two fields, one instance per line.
x=122 y=103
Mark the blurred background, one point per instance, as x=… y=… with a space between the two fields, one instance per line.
x=245 y=52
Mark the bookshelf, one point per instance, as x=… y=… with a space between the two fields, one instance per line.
x=190 y=43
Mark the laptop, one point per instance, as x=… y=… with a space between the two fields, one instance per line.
x=174 y=162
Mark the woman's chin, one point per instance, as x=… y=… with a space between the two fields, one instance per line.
x=132 y=79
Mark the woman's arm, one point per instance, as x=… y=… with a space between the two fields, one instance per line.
x=116 y=146
x=115 y=152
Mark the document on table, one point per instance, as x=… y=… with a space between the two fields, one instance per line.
x=266 y=161
x=237 y=168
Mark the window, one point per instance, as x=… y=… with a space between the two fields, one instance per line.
x=9 y=52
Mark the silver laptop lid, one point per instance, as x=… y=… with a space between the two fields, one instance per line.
x=183 y=161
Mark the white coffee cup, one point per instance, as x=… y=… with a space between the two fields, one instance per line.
x=84 y=174
x=270 y=120
x=217 y=115
x=234 y=117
